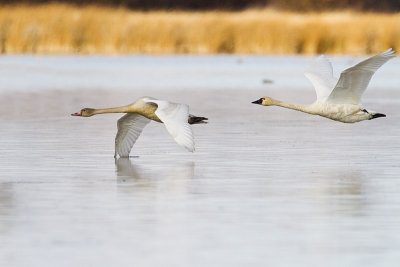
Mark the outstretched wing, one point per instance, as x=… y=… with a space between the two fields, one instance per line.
x=353 y=81
x=130 y=126
x=175 y=118
x=320 y=74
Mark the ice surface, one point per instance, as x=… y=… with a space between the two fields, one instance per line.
x=265 y=187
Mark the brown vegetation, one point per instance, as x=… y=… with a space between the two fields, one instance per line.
x=57 y=28
x=296 y=5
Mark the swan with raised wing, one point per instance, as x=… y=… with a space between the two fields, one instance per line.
x=338 y=100
x=175 y=117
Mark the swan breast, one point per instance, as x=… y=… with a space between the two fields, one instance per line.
x=146 y=109
x=340 y=112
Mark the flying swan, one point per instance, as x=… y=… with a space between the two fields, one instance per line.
x=338 y=100
x=175 y=117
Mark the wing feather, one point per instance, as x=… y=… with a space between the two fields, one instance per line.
x=320 y=74
x=175 y=118
x=354 y=81
x=130 y=126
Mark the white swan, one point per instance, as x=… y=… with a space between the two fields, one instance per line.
x=175 y=117
x=338 y=99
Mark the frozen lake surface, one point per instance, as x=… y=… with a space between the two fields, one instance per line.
x=265 y=187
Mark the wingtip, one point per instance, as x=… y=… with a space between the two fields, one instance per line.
x=190 y=148
x=390 y=53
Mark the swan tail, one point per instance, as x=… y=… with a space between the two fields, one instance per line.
x=196 y=120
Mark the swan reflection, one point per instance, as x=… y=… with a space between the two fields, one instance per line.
x=343 y=192
x=6 y=197
x=129 y=172
x=7 y=207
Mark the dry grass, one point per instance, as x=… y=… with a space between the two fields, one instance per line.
x=57 y=28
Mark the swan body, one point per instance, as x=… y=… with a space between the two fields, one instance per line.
x=175 y=117
x=338 y=99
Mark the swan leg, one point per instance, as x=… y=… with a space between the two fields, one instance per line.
x=377 y=115
x=374 y=115
x=195 y=120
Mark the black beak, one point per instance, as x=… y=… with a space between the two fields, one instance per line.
x=259 y=101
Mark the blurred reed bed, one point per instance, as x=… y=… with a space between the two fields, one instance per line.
x=60 y=28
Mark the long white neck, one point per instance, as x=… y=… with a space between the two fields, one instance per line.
x=298 y=107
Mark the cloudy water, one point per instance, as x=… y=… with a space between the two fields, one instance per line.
x=266 y=186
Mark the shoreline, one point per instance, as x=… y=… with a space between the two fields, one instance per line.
x=68 y=29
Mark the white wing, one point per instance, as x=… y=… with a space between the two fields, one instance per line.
x=130 y=126
x=353 y=81
x=175 y=118
x=320 y=74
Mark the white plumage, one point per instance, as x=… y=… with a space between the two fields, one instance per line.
x=175 y=118
x=130 y=126
x=338 y=99
x=354 y=81
x=320 y=73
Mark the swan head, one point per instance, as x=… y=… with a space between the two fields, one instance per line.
x=86 y=112
x=265 y=101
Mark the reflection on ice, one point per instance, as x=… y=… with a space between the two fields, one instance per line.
x=265 y=186
x=6 y=196
x=342 y=192
x=126 y=170
x=129 y=172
